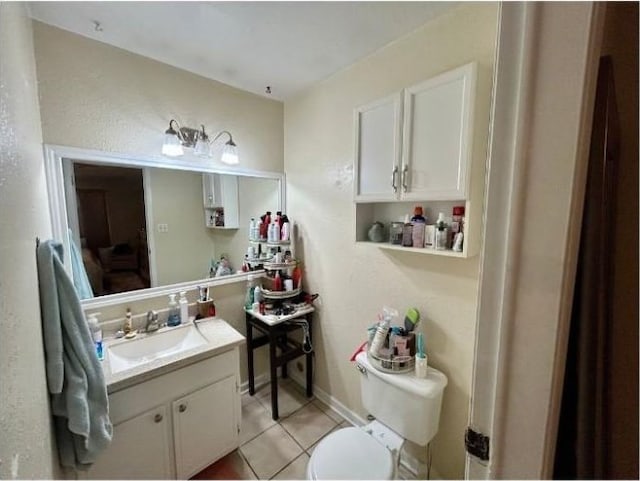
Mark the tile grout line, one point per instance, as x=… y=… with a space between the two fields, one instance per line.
x=306 y=402
x=246 y=461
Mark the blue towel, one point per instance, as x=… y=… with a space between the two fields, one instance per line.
x=80 y=278
x=75 y=379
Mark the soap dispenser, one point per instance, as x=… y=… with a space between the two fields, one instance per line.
x=96 y=334
x=174 y=312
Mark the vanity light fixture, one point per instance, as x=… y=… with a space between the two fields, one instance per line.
x=177 y=138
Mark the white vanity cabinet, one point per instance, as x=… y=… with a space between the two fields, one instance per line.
x=141 y=449
x=202 y=426
x=174 y=425
x=220 y=200
x=416 y=144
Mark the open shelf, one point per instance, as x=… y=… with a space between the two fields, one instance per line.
x=427 y=251
x=386 y=212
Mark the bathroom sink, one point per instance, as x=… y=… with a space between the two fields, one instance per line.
x=136 y=352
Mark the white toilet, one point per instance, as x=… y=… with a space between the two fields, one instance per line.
x=405 y=407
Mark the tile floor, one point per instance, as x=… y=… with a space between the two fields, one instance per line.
x=276 y=449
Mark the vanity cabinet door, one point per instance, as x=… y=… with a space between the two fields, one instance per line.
x=205 y=425
x=378 y=148
x=437 y=136
x=140 y=449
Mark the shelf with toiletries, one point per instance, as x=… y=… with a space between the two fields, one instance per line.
x=220 y=200
x=389 y=226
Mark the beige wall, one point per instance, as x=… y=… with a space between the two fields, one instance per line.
x=185 y=251
x=97 y=96
x=26 y=442
x=355 y=281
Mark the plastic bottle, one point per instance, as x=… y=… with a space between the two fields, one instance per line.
x=252 y=282
x=184 y=307
x=380 y=336
x=96 y=334
x=252 y=227
x=419 y=222
x=174 y=312
x=277 y=282
x=442 y=233
x=296 y=275
x=128 y=322
x=286 y=229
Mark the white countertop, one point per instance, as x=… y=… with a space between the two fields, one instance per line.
x=272 y=319
x=220 y=337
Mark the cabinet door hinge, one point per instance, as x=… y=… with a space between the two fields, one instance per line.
x=476 y=444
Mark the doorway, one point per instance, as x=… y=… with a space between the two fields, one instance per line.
x=107 y=216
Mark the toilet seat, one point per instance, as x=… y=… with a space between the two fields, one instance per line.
x=350 y=453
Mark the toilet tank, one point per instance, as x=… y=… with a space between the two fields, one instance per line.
x=407 y=404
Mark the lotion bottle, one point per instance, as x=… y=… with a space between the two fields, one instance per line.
x=96 y=334
x=184 y=307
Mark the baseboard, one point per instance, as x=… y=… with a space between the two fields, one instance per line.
x=259 y=381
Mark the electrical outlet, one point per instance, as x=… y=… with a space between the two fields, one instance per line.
x=163 y=227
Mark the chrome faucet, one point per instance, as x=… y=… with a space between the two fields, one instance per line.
x=152 y=322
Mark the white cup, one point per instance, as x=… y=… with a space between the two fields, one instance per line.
x=421 y=366
x=278 y=258
x=288 y=284
x=251 y=252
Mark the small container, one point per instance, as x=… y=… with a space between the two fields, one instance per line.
x=442 y=233
x=407 y=235
x=418 y=222
x=421 y=366
x=206 y=308
x=288 y=284
x=429 y=236
x=395 y=233
x=457 y=220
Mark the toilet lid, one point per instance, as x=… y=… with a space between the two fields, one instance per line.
x=350 y=453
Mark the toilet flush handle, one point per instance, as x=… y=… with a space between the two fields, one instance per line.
x=361 y=368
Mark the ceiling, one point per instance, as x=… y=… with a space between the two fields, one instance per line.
x=250 y=45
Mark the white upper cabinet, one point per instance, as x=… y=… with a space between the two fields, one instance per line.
x=436 y=132
x=378 y=148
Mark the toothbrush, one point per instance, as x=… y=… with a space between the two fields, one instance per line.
x=420 y=346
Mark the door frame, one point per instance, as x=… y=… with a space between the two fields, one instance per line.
x=544 y=84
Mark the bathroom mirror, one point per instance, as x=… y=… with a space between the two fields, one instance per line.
x=144 y=225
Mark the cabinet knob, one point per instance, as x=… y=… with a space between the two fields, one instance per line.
x=182 y=408
x=157 y=418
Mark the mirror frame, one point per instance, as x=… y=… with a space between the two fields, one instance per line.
x=53 y=159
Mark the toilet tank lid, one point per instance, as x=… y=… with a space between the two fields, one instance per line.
x=431 y=386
